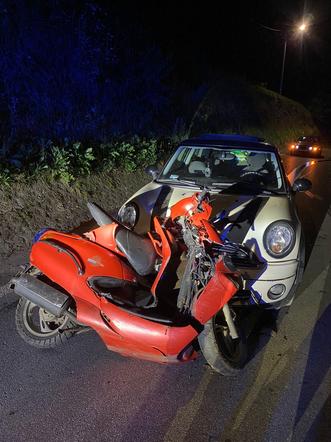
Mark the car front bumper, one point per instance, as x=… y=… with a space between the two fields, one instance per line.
x=288 y=273
x=306 y=152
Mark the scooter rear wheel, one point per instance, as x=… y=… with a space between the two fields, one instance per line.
x=39 y=328
x=224 y=354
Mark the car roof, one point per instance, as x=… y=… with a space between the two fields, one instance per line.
x=223 y=140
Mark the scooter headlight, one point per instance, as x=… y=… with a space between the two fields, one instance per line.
x=279 y=239
x=128 y=215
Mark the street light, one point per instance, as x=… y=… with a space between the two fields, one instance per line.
x=301 y=29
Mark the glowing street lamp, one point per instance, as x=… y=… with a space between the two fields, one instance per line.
x=301 y=29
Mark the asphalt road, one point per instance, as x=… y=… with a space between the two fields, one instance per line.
x=82 y=392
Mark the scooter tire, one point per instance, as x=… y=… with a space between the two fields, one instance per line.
x=213 y=349
x=29 y=333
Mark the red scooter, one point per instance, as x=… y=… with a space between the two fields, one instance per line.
x=160 y=297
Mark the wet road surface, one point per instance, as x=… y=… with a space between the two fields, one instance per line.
x=81 y=392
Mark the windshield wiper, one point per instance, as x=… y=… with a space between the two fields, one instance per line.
x=222 y=185
x=239 y=186
x=177 y=181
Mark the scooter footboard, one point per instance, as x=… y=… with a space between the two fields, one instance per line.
x=131 y=335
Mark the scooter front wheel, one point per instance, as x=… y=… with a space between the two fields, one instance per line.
x=224 y=354
x=40 y=328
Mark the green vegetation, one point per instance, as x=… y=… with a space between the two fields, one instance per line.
x=5 y=176
x=69 y=162
x=230 y=106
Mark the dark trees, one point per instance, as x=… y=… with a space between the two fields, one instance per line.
x=71 y=70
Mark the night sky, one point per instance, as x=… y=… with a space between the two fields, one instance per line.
x=205 y=38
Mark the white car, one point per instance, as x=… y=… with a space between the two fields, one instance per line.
x=253 y=204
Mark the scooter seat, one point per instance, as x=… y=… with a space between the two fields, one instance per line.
x=139 y=251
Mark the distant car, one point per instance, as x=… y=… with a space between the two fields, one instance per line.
x=253 y=204
x=310 y=145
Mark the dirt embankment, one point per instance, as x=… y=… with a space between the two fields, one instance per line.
x=25 y=208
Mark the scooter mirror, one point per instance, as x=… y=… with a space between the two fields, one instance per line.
x=99 y=215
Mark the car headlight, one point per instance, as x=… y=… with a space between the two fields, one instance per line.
x=279 y=239
x=128 y=215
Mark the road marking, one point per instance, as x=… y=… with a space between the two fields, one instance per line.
x=298 y=172
x=282 y=369
x=185 y=415
x=302 y=318
x=313 y=195
x=311 y=413
x=300 y=323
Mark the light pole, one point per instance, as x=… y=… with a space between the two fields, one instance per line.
x=283 y=68
x=300 y=29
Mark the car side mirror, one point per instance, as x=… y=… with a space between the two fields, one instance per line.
x=301 y=185
x=152 y=170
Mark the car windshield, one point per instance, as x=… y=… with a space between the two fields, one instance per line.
x=222 y=167
x=309 y=139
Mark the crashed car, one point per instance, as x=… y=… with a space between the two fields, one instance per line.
x=253 y=204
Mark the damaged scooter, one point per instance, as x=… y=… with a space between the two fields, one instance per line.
x=162 y=297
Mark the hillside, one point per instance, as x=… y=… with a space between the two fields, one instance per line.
x=234 y=106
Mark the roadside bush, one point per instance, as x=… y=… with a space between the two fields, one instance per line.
x=5 y=176
x=60 y=164
x=81 y=159
x=63 y=163
x=129 y=154
x=70 y=161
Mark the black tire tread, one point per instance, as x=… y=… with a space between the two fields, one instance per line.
x=57 y=340
x=210 y=349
